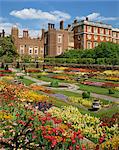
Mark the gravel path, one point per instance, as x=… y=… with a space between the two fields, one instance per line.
x=73 y=88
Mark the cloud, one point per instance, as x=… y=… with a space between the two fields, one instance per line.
x=7 y=26
x=97 y=17
x=31 y=13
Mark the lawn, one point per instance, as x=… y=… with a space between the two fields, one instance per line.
x=98 y=90
x=27 y=82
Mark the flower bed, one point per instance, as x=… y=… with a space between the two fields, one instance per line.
x=24 y=127
x=90 y=126
x=33 y=70
x=101 y=84
x=80 y=100
x=41 y=88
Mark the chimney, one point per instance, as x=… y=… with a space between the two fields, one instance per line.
x=3 y=33
x=51 y=26
x=86 y=18
x=25 y=34
x=61 y=25
x=43 y=33
x=75 y=21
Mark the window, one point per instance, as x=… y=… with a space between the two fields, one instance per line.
x=21 y=49
x=114 y=40
x=95 y=44
x=95 y=37
x=89 y=45
x=30 y=50
x=101 y=31
x=114 y=34
x=101 y=38
x=107 y=39
x=107 y=31
x=36 y=49
x=89 y=29
x=95 y=30
x=59 y=38
x=59 y=50
x=89 y=36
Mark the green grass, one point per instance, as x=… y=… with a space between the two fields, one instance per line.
x=67 y=93
x=98 y=90
x=101 y=80
x=27 y=82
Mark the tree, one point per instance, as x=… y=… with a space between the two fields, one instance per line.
x=7 y=49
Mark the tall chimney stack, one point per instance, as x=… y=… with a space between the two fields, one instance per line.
x=86 y=18
x=61 y=25
x=25 y=34
x=3 y=33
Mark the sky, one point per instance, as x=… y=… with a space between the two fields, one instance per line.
x=36 y=14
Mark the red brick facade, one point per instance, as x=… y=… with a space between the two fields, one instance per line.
x=56 y=41
x=89 y=34
x=26 y=45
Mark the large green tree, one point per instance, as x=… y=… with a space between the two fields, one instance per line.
x=7 y=49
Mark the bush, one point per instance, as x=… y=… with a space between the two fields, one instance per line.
x=6 y=67
x=2 y=65
x=21 y=77
x=37 y=65
x=39 y=76
x=54 y=83
x=111 y=91
x=18 y=65
x=86 y=95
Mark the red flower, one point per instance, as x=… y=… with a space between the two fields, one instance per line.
x=54 y=142
x=77 y=147
x=17 y=115
x=83 y=147
x=70 y=148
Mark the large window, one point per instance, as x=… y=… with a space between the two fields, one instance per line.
x=89 y=45
x=21 y=49
x=36 y=50
x=95 y=44
x=95 y=37
x=107 y=31
x=30 y=50
x=89 y=29
x=101 y=31
x=95 y=30
x=59 y=38
x=101 y=38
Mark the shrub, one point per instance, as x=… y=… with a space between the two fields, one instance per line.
x=21 y=77
x=86 y=95
x=37 y=65
x=6 y=67
x=111 y=91
x=54 y=83
x=2 y=65
x=39 y=76
x=18 y=65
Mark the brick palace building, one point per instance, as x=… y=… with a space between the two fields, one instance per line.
x=88 y=34
x=26 y=45
x=56 y=41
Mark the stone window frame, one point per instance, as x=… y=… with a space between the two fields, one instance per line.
x=59 y=38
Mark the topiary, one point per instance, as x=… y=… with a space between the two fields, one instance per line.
x=6 y=67
x=86 y=95
x=18 y=65
x=54 y=83
x=2 y=65
x=111 y=91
